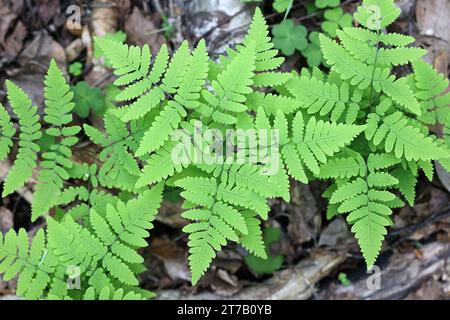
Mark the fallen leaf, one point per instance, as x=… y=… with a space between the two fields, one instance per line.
x=47 y=9
x=432 y=18
x=42 y=49
x=6 y=220
x=9 y=10
x=14 y=42
x=335 y=234
x=142 y=30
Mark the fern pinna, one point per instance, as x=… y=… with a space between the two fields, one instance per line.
x=359 y=125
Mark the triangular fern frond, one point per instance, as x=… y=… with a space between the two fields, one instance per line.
x=368 y=205
x=364 y=75
x=175 y=110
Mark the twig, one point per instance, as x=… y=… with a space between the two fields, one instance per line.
x=438 y=216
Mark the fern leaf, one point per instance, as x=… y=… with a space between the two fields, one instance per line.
x=6 y=134
x=26 y=158
x=363 y=75
x=58 y=100
x=379 y=56
x=322 y=97
x=404 y=140
x=390 y=39
x=258 y=33
x=159 y=166
x=431 y=87
x=272 y=103
x=233 y=83
x=377 y=14
x=186 y=98
x=319 y=140
x=253 y=240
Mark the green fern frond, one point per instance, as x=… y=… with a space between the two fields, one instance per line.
x=258 y=33
x=30 y=127
x=364 y=75
x=6 y=134
x=272 y=103
x=219 y=218
x=367 y=202
x=324 y=98
x=402 y=139
x=313 y=143
x=233 y=84
x=57 y=161
x=175 y=110
x=159 y=166
x=119 y=168
x=107 y=254
x=431 y=87
x=379 y=56
x=390 y=39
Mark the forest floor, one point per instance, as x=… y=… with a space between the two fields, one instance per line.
x=320 y=258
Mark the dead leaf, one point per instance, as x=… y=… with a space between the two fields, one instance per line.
x=432 y=18
x=173 y=258
x=9 y=10
x=105 y=18
x=336 y=234
x=6 y=220
x=47 y=9
x=142 y=30
x=14 y=42
x=304 y=221
x=225 y=284
x=42 y=49
x=74 y=49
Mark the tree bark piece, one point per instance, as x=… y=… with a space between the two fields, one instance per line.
x=296 y=283
x=403 y=273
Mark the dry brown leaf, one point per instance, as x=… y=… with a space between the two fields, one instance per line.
x=42 y=49
x=6 y=220
x=47 y=9
x=9 y=10
x=304 y=221
x=142 y=30
x=432 y=18
x=14 y=42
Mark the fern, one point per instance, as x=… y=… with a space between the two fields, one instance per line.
x=26 y=159
x=430 y=91
x=361 y=90
x=306 y=145
x=357 y=124
x=103 y=257
x=217 y=218
x=56 y=162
